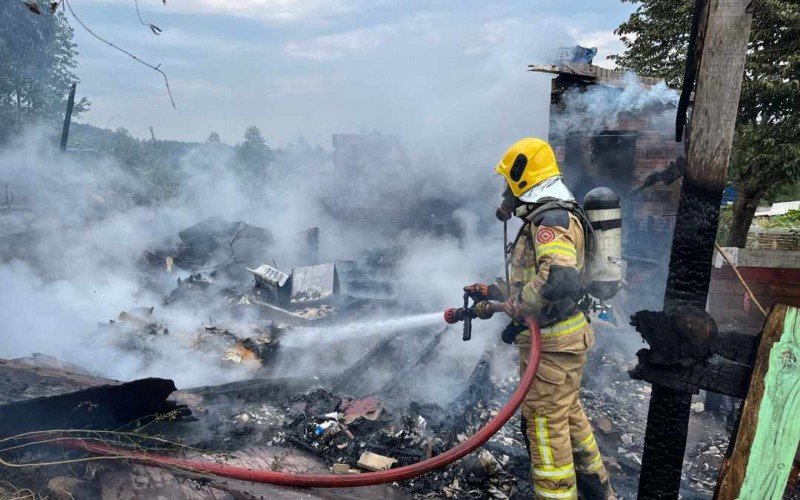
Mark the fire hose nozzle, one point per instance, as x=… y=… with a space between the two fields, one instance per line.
x=453 y=315
x=481 y=310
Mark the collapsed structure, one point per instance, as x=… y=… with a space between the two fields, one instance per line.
x=328 y=383
x=318 y=394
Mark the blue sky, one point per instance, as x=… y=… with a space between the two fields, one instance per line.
x=430 y=70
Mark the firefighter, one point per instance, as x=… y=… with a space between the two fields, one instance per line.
x=545 y=281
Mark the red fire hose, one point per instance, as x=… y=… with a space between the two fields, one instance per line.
x=340 y=481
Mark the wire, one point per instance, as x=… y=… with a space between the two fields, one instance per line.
x=132 y=56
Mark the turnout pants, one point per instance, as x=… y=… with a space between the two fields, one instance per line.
x=565 y=460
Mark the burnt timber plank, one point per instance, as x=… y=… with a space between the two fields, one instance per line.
x=724 y=40
x=766 y=442
x=100 y=407
x=726 y=378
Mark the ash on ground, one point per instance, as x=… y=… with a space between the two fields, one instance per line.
x=328 y=374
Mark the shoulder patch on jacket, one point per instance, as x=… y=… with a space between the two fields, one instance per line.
x=557 y=217
x=545 y=235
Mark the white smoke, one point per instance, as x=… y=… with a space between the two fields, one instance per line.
x=80 y=267
x=601 y=107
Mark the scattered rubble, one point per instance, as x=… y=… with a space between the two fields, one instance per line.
x=374 y=462
x=357 y=406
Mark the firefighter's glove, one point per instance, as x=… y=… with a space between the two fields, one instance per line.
x=512 y=309
x=511 y=331
x=477 y=291
x=482 y=291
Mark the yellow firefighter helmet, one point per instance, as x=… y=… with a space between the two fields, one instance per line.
x=527 y=163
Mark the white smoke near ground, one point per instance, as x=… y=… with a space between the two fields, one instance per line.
x=74 y=265
x=81 y=269
x=75 y=239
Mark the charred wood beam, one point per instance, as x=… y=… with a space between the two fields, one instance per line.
x=693 y=56
x=104 y=407
x=682 y=348
x=719 y=81
x=688 y=335
x=277 y=389
x=738 y=347
x=722 y=377
x=343 y=381
x=687 y=332
x=426 y=356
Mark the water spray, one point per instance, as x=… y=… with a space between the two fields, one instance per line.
x=360 y=329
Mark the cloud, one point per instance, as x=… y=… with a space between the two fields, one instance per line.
x=275 y=10
x=490 y=35
x=303 y=84
x=278 y=11
x=337 y=45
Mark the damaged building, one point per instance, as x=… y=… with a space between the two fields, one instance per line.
x=628 y=145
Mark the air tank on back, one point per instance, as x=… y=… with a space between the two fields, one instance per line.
x=602 y=207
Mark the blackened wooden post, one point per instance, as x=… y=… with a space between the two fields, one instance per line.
x=716 y=103
x=68 y=117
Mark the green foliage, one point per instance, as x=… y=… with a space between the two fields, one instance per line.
x=787 y=192
x=37 y=66
x=156 y=166
x=160 y=168
x=765 y=159
x=656 y=39
x=788 y=220
x=724 y=229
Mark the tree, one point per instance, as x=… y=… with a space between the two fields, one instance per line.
x=766 y=148
x=254 y=140
x=127 y=150
x=213 y=138
x=253 y=158
x=37 y=66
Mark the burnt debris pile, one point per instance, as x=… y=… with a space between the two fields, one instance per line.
x=313 y=367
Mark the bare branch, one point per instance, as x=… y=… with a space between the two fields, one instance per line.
x=120 y=49
x=32 y=6
x=155 y=29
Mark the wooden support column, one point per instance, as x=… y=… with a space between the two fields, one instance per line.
x=727 y=31
x=68 y=117
x=760 y=460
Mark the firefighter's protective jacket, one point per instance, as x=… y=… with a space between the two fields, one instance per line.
x=546 y=264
